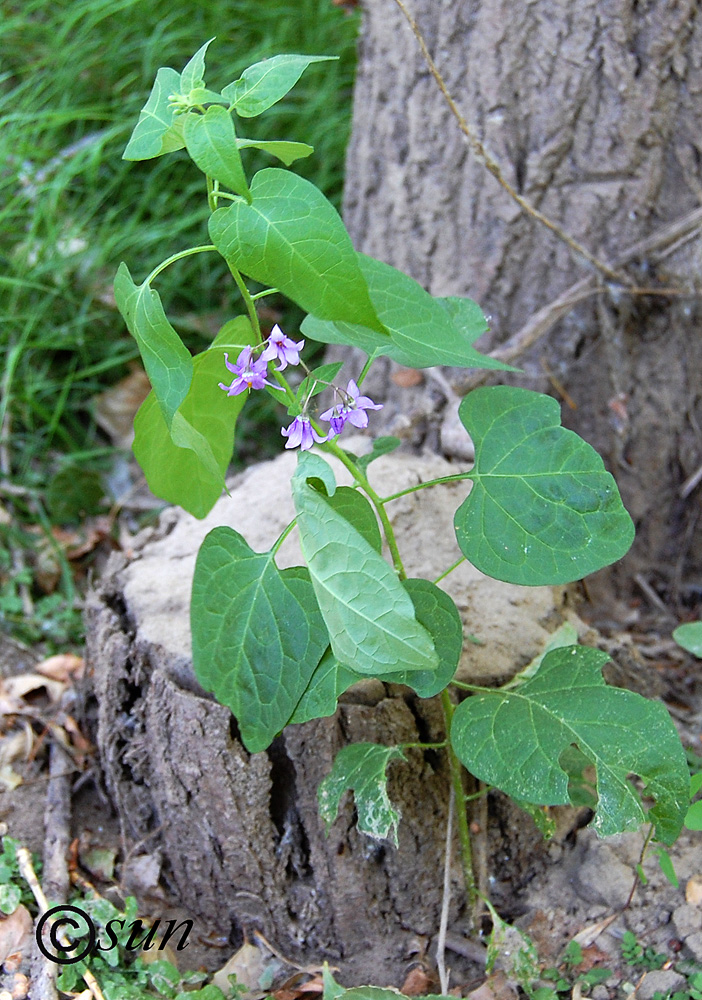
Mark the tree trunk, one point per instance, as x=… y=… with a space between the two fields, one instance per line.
x=594 y=112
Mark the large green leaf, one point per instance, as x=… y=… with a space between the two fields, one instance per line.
x=515 y=739
x=369 y=615
x=360 y=767
x=265 y=83
x=542 y=509
x=176 y=466
x=166 y=358
x=257 y=634
x=159 y=130
x=292 y=238
x=424 y=331
x=211 y=142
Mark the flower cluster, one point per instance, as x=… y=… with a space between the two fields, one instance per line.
x=250 y=373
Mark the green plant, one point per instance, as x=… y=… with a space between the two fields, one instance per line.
x=73 y=75
x=279 y=646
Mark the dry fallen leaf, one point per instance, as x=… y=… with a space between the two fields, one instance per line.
x=416 y=983
x=116 y=407
x=14 y=689
x=62 y=667
x=16 y=933
x=247 y=964
x=496 y=987
x=12 y=747
x=693 y=890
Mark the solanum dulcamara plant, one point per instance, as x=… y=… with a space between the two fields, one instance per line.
x=279 y=646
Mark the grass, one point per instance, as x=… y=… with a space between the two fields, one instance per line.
x=73 y=77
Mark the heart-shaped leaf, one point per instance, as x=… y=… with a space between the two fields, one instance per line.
x=515 y=740
x=542 y=509
x=257 y=634
x=292 y=238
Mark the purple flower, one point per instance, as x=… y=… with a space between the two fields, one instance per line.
x=282 y=347
x=352 y=409
x=301 y=433
x=250 y=373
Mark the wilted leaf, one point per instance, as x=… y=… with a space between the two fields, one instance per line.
x=360 y=767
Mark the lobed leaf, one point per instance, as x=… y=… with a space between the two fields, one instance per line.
x=257 y=634
x=267 y=82
x=542 y=509
x=360 y=767
x=211 y=142
x=293 y=239
x=166 y=358
x=424 y=331
x=158 y=130
x=515 y=740
x=370 y=617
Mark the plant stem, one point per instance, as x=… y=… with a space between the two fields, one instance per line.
x=211 y=194
x=176 y=256
x=282 y=536
x=451 y=568
x=459 y=477
x=461 y=800
x=248 y=301
x=365 y=370
x=377 y=503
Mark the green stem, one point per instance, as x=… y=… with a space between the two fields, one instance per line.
x=450 y=569
x=461 y=800
x=266 y=291
x=282 y=536
x=365 y=370
x=248 y=301
x=377 y=503
x=176 y=256
x=211 y=194
x=430 y=482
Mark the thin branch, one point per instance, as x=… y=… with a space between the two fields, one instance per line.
x=493 y=167
x=546 y=318
x=444 y=974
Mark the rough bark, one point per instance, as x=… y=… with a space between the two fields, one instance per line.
x=593 y=111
